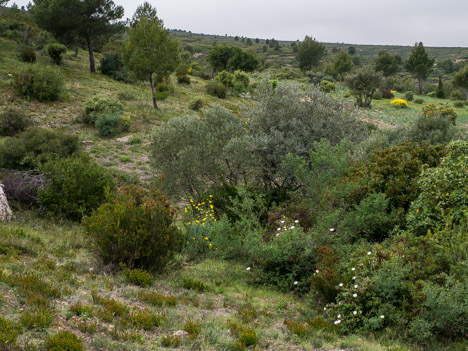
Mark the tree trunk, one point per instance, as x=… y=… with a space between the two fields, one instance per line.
x=420 y=83
x=155 y=105
x=92 y=65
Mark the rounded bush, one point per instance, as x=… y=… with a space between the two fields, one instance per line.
x=28 y=54
x=216 y=89
x=409 y=96
x=419 y=101
x=327 y=87
x=136 y=227
x=42 y=83
x=97 y=105
x=225 y=78
x=13 y=122
x=112 y=66
x=459 y=104
x=196 y=104
x=399 y=103
x=109 y=124
x=458 y=95
x=75 y=186
x=55 y=51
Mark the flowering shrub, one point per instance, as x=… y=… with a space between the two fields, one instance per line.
x=400 y=103
x=434 y=111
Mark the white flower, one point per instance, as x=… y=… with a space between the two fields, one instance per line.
x=354 y=295
x=354 y=277
x=341 y=284
x=296 y=221
x=277 y=234
x=324 y=308
x=282 y=222
x=382 y=316
x=248 y=268
x=353 y=269
x=369 y=253
x=332 y=229
x=278 y=229
x=356 y=286
x=296 y=282
x=339 y=316
x=355 y=312
x=292 y=227
x=316 y=271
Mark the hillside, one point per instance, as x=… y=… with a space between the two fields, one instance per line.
x=296 y=218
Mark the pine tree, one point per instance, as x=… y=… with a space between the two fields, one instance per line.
x=419 y=64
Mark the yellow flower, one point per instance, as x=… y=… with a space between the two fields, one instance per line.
x=204 y=219
x=191 y=200
x=193 y=238
x=206 y=238
x=211 y=206
x=211 y=195
x=202 y=203
x=211 y=244
x=186 y=210
x=197 y=221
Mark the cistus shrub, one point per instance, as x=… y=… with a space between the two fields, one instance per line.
x=35 y=146
x=216 y=89
x=42 y=83
x=327 y=86
x=136 y=227
x=64 y=341
x=55 y=51
x=98 y=105
x=28 y=54
x=74 y=187
x=12 y=122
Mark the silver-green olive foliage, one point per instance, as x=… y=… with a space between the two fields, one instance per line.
x=150 y=54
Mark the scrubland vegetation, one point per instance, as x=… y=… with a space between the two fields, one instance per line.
x=222 y=193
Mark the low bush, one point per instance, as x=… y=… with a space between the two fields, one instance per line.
x=13 y=122
x=112 y=66
x=163 y=90
x=399 y=103
x=136 y=227
x=459 y=104
x=56 y=51
x=182 y=76
x=75 y=186
x=28 y=54
x=327 y=87
x=419 y=101
x=196 y=104
x=98 y=105
x=35 y=146
x=458 y=95
x=386 y=94
x=216 y=89
x=22 y=186
x=409 y=96
x=9 y=332
x=138 y=277
x=63 y=341
x=110 y=124
x=42 y=83
x=40 y=318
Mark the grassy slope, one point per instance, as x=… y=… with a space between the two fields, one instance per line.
x=57 y=251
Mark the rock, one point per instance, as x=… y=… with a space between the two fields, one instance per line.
x=180 y=333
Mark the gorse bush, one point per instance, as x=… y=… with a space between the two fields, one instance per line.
x=55 y=51
x=136 y=228
x=75 y=186
x=35 y=146
x=98 y=105
x=42 y=83
x=13 y=122
x=399 y=103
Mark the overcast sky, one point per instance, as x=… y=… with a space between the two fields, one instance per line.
x=396 y=22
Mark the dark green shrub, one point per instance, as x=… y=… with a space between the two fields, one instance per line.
x=173 y=341
x=156 y=299
x=193 y=284
x=287 y=261
x=98 y=105
x=419 y=101
x=196 y=104
x=112 y=66
x=458 y=95
x=110 y=124
x=36 y=146
x=386 y=94
x=193 y=328
x=13 y=122
x=248 y=337
x=459 y=104
x=28 y=54
x=435 y=125
x=216 y=89
x=138 y=277
x=163 y=90
x=42 y=83
x=136 y=227
x=409 y=96
x=63 y=341
x=75 y=186
x=55 y=51
x=182 y=76
x=241 y=78
x=9 y=332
